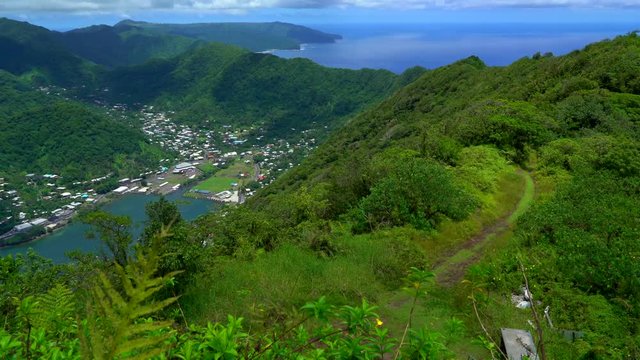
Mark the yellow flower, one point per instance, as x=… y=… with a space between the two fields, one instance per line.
x=379 y=322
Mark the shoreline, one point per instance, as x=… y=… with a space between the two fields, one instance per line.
x=99 y=203
x=109 y=197
x=214 y=198
x=39 y=237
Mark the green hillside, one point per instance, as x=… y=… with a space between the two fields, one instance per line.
x=123 y=45
x=408 y=234
x=224 y=84
x=35 y=52
x=431 y=178
x=251 y=36
x=44 y=133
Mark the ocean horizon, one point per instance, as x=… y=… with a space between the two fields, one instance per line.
x=397 y=47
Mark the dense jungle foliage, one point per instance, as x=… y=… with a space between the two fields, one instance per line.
x=218 y=84
x=384 y=242
x=126 y=45
x=47 y=133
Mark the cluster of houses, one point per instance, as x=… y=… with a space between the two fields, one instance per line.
x=277 y=157
x=50 y=195
x=162 y=130
x=65 y=201
x=193 y=145
x=199 y=145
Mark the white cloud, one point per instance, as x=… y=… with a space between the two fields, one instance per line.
x=231 y=5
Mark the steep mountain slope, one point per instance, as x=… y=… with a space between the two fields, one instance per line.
x=35 y=50
x=47 y=134
x=251 y=36
x=516 y=108
x=225 y=84
x=123 y=45
x=427 y=165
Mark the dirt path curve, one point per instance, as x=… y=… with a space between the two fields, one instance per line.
x=452 y=266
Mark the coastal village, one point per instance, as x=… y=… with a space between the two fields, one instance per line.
x=225 y=165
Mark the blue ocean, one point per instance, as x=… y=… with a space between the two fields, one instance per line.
x=397 y=47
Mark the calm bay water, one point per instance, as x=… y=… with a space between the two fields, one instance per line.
x=73 y=236
x=401 y=46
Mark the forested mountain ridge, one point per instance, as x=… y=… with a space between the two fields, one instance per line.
x=114 y=46
x=47 y=133
x=204 y=82
x=133 y=43
x=36 y=52
x=251 y=36
x=225 y=84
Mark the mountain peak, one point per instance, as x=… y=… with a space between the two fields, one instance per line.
x=129 y=22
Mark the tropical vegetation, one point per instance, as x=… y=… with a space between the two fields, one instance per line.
x=407 y=234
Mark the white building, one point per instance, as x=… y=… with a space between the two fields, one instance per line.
x=121 y=190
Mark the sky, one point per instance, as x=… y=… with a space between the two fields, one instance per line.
x=67 y=14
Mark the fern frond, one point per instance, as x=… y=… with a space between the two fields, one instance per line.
x=120 y=334
x=136 y=329
x=149 y=354
x=54 y=310
x=109 y=290
x=104 y=304
x=142 y=343
x=144 y=310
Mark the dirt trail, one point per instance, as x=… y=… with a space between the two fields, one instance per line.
x=448 y=272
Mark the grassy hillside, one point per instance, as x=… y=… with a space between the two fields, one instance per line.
x=432 y=166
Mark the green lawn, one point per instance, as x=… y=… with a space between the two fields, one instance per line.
x=216 y=184
x=206 y=167
x=223 y=178
x=238 y=166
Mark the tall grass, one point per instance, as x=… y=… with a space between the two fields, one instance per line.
x=286 y=278
x=510 y=188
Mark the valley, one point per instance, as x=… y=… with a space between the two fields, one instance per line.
x=202 y=134
x=227 y=203
x=238 y=161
